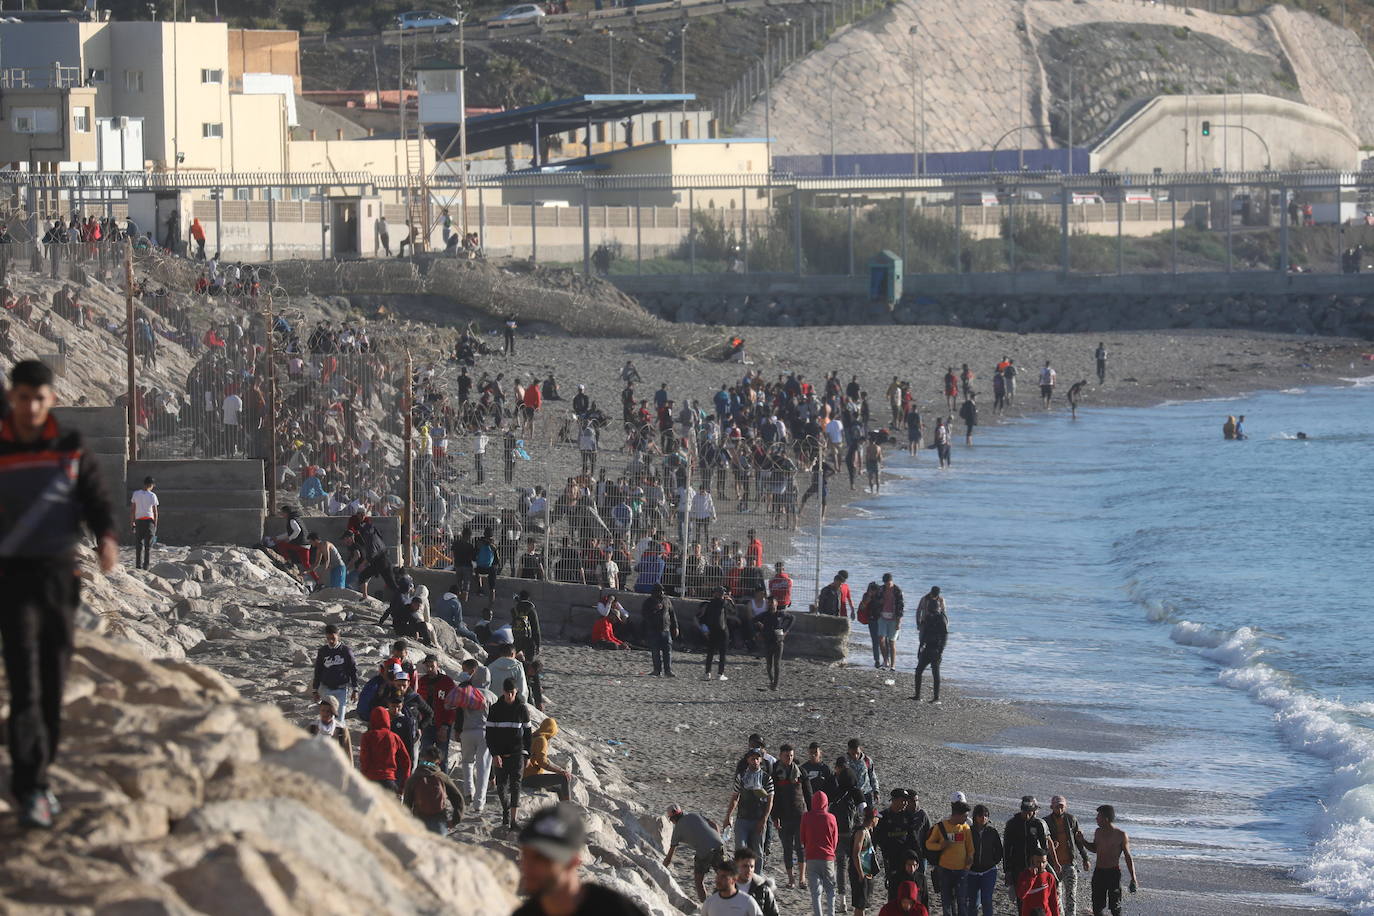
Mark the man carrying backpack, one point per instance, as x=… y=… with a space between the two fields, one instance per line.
x=847 y=806
x=432 y=796
x=524 y=628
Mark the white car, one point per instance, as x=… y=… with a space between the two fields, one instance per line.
x=425 y=19
x=520 y=11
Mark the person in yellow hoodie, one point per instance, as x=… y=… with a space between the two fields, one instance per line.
x=953 y=840
x=540 y=772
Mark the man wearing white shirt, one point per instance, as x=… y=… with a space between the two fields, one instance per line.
x=479 y=449
x=232 y=407
x=143 y=516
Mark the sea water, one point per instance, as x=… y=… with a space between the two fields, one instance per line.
x=1212 y=595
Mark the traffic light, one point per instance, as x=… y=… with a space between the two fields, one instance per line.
x=1207 y=128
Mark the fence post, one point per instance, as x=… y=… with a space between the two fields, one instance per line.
x=904 y=231
x=958 y=237
x=639 y=234
x=691 y=232
x=129 y=346
x=820 y=514
x=851 y=235
x=271 y=225
x=1283 y=229
x=1064 y=265
x=744 y=228
x=1229 y=226
x=1340 y=233
x=797 y=263
x=408 y=468
x=586 y=232
x=1173 y=231
x=1120 y=239
x=268 y=350
x=548 y=501
x=534 y=234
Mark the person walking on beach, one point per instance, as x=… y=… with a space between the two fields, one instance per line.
x=863 y=864
x=915 y=430
x=143 y=509
x=820 y=839
x=952 y=838
x=1009 y=375
x=791 y=789
x=701 y=836
x=1111 y=844
x=508 y=725
x=49 y=486
x=1036 y=888
x=753 y=797
x=773 y=625
x=968 y=412
x=999 y=392
x=890 y=608
x=1066 y=839
x=942 y=447
x=749 y=881
x=1023 y=835
x=981 y=883
x=951 y=388
x=1076 y=392
x=551 y=846
x=903 y=827
x=715 y=621
x=932 y=628
x=1047 y=377
x=1100 y=356
x=729 y=900
x=660 y=629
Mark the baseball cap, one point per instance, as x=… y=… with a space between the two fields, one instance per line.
x=1058 y=800
x=958 y=797
x=1028 y=803
x=555 y=832
x=398 y=673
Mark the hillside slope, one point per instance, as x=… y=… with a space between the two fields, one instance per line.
x=988 y=65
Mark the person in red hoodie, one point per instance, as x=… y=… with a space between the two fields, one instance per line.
x=819 y=835
x=382 y=754
x=1037 y=888
x=906 y=903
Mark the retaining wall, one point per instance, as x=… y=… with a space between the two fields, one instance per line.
x=105 y=433
x=567 y=612
x=206 y=501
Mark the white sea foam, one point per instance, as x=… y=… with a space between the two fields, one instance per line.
x=1342 y=864
x=1362 y=381
x=1293 y=391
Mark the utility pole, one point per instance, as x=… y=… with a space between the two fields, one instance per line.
x=268 y=352
x=917 y=146
x=462 y=129
x=408 y=469
x=682 y=65
x=128 y=344
x=1071 y=120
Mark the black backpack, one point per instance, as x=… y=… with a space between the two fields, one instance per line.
x=846 y=812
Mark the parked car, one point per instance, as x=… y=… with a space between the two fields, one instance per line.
x=977 y=198
x=1079 y=197
x=425 y=19
x=520 y=11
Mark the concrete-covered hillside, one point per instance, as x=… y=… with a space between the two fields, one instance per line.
x=988 y=65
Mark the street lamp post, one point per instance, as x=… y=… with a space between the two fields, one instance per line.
x=610 y=49
x=830 y=83
x=917 y=72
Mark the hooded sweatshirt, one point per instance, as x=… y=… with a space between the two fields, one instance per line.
x=905 y=891
x=475 y=720
x=1037 y=890
x=818 y=831
x=539 y=748
x=382 y=754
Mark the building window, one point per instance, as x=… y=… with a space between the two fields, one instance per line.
x=272 y=194
x=243 y=193
x=212 y=76
x=300 y=193
x=81 y=120
x=96 y=77
x=212 y=131
x=34 y=120
x=133 y=80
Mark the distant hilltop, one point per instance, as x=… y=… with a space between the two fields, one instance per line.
x=1065 y=71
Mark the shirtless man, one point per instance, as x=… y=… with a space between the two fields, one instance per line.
x=1076 y=392
x=1110 y=843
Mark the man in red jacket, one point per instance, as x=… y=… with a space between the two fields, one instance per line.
x=382 y=755
x=436 y=688
x=819 y=834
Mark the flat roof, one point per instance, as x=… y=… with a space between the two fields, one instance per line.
x=506 y=128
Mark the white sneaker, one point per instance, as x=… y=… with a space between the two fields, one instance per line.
x=724 y=678
x=706 y=676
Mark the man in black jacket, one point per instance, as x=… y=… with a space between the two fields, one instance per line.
x=660 y=629
x=49 y=486
x=1024 y=834
x=508 y=740
x=336 y=671
x=987 y=855
x=903 y=826
x=791 y=797
x=715 y=617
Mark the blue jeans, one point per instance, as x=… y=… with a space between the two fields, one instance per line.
x=661 y=648
x=979 y=887
x=341 y=694
x=750 y=833
x=952 y=899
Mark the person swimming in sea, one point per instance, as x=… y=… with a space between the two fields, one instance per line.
x=1302 y=435
x=1240 y=427
x=1228 y=429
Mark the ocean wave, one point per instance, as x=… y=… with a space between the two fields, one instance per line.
x=1342 y=863
x=1362 y=381
x=1293 y=391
